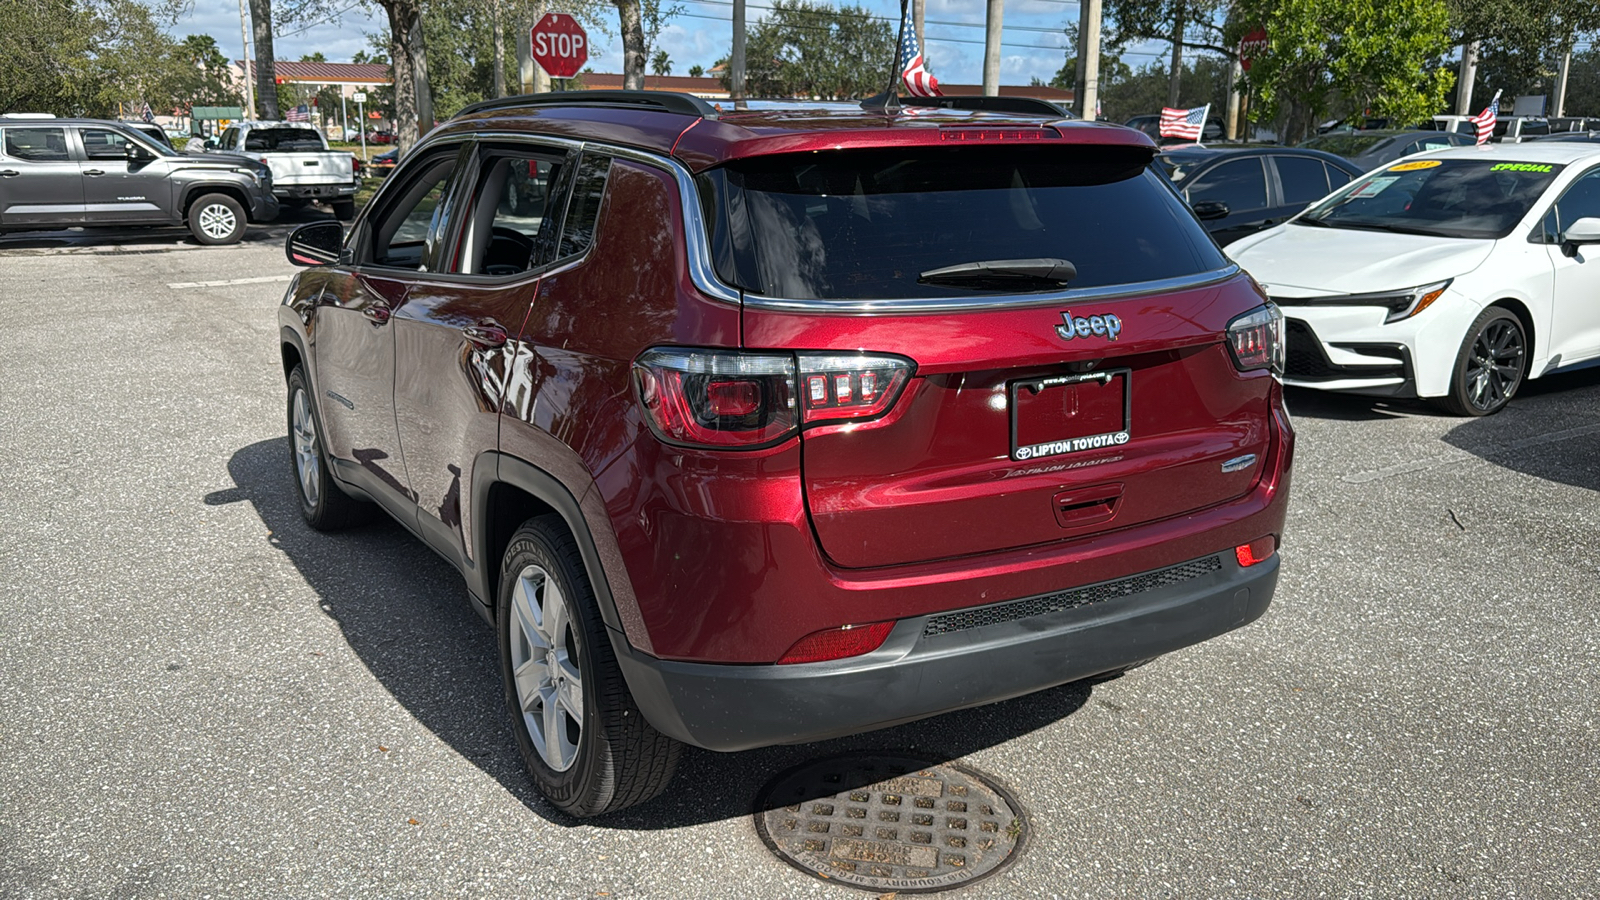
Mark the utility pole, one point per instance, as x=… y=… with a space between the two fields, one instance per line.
x=1232 y=123
x=1469 y=73
x=1077 y=74
x=249 y=77
x=499 y=51
x=736 y=61
x=1560 y=98
x=1175 y=74
x=919 y=7
x=1089 y=52
x=991 y=49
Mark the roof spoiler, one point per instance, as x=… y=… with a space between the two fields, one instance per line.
x=660 y=101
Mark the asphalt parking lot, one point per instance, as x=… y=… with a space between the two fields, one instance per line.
x=200 y=697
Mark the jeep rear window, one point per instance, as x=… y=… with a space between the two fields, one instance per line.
x=862 y=225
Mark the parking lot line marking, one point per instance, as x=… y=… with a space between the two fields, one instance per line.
x=1459 y=454
x=264 y=279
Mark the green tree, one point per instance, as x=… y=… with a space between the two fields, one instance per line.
x=805 y=49
x=697 y=71
x=202 y=75
x=661 y=63
x=1358 y=54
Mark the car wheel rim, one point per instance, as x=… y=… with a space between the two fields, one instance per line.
x=544 y=666
x=217 y=221
x=1494 y=368
x=307 y=463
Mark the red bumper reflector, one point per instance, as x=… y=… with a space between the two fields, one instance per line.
x=838 y=643
x=1258 y=550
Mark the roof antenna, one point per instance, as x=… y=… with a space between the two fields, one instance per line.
x=889 y=100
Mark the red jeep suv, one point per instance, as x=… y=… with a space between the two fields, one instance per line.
x=787 y=422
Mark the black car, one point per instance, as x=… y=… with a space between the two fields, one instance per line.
x=1371 y=149
x=59 y=173
x=1239 y=190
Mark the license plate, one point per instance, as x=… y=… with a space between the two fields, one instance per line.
x=1063 y=414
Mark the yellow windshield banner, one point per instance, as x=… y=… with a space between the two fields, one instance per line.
x=1415 y=165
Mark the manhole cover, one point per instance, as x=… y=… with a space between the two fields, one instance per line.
x=890 y=822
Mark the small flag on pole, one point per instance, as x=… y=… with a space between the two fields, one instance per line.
x=1485 y=119
x=301 y=113
x=1184 y=123
x=147 y=115
x=914 y=75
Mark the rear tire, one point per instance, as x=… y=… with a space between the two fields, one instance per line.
x=589 y=750
x=325 y=505
x=344 y=210
x=1489 y=366
x=216 y=219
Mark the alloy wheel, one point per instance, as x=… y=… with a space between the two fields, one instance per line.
x=544 y=663
x=1494 y=368
x=217 y=221
x=307 y=462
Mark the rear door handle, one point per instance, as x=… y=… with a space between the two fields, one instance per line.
x=9 y=173
x=94 y=171
x=487 y=336
x=377 y=312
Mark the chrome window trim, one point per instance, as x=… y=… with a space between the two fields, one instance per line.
x=701 y=271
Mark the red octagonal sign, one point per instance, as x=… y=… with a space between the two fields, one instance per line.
x=560 y=45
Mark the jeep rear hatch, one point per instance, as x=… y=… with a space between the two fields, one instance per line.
x=1036 y=413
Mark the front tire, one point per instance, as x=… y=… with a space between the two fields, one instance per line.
x=581 y=736
x=325 y=506
x=217 y=219
x=1490 y=365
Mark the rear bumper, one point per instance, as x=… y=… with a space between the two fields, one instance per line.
x=315 y=191
x=939 y=663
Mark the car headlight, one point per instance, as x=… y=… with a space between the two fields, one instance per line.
x=1402 y=304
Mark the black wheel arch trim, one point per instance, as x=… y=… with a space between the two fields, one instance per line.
x=493 y=467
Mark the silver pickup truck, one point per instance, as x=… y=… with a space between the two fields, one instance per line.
x=303 y=168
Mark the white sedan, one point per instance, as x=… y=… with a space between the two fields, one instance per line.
x=1452 y=275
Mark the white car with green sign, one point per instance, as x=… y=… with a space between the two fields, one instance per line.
x=1452 y=275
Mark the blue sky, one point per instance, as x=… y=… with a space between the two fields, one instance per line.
x=1031 y=41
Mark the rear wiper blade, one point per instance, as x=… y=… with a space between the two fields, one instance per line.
x=1004 y=274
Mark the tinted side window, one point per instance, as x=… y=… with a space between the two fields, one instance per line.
x=230 y=138
x=1304 y=180
x=513 y=225
x=98 y=143
x=583 y=210
x=1240 y=183
x=1337 y=177
x=1581 y=201
x=400 y=229
x=37 y=144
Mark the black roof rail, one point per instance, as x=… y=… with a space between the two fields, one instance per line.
x=1028 y=106
x=664 y=101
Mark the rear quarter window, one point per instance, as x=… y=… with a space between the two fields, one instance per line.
x=863 y=225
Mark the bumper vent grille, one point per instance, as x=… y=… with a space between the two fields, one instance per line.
x=978 y=617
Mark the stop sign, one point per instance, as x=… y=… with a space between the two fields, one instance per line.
x=560 y=45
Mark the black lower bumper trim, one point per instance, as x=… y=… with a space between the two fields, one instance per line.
x=915 y=675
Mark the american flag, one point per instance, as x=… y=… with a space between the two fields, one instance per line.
x=918 y=80
x=1184 y=123
x=301 y=113
x=1485 y=119
x=147 y=115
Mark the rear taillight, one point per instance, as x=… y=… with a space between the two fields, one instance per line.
x=849 y=387
x=749 y=399
x=1256 y=339
x=714 y=398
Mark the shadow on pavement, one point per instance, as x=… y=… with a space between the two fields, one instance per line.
x=404 y=612
x=1314 y=404
x=1550 y=430
x=154 y=238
